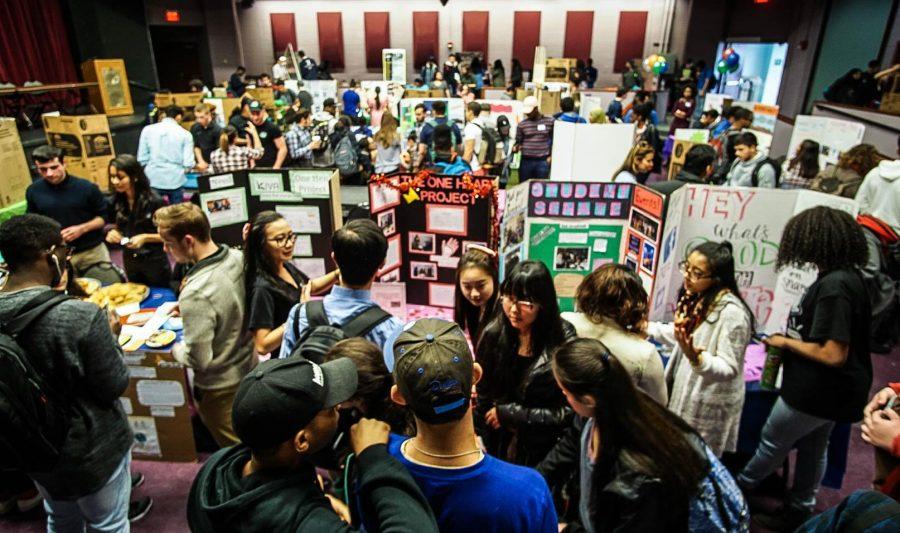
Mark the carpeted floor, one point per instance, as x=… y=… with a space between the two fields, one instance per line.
x=168 y=483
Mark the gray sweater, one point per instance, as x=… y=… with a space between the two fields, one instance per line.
x=71 y=345
x=741 y=173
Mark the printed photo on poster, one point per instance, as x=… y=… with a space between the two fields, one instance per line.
x=382 y=197
x=302 y=246
x=225 y=207
x=311 y=267
x=511 y=259
x=448 y=219
x=387 y=221
x=631 y=264
x=634 y=245
x=392 y=259
x=572 y=258
x=514 y=231
x=441 y=294
x=301 y=218
x=423 y=270
x=644 y=225
x=393 y=275
x=421 y=243
x=647 y=256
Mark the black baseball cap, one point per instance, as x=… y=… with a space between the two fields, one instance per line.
x=433 y=369
x=282 y=396
x=255 y=105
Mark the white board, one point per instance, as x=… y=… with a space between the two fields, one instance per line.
x=589 y=152
x=833 y=135
x=393 y=64
x=320 y=90
x=590 y=102
x=511 y=109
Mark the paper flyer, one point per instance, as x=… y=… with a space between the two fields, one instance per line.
x=311 y=183
x=301 y=218
x=146 y=439
x=225 y=207
x=269 y=182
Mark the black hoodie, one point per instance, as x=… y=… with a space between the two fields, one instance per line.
x=222 y=499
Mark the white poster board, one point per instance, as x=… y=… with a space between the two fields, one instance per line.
x=589 y=152
x=456 y=111
x=590 y=102
x=833 y=135
x=320 y=90
x=511 y=109
x=715 y=101
x=393 y=64
x=539 y=69
x=753 y=220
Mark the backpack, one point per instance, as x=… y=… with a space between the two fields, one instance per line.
x=890 y=243
x=455 y=140
x=754 y=176
x=34 y=420
x=320 y=335
x=457 y=167
x=346 y=159
x=836 y=181
x=862 y=511
x=719 y=504
x=322 y=156
x=490 y=153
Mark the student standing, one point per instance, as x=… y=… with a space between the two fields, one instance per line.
x=388 y=148
x=351 y=100
x=534 y=138
x=298 y=139
x=476 y=290
x=697 y=168
x=846 y=177
x=498 y=74
x=799 y=171
x=132 y=211
x=827 y=367
x=614 y=110
x=568 y=113
x=167 y=151
x=751 y=167
x=472 y=135
x=879 y=194
x=378 y=105
x=515 y=74
x=429 y=69
x=274 y=148
x=426 y=138
x=637 y=166
x=230 y=156
x=205 y=132
x=708 y=339
x=683 y=110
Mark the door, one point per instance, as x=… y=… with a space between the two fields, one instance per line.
x=180 y=54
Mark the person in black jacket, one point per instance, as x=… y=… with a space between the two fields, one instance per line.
x=638 y=465
x=285 y=411
x=521 y=412
x=698 y=166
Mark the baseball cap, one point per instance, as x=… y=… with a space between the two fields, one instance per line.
x=433 y=369
x=280 y=397
x=255 y=105
x=528 y=104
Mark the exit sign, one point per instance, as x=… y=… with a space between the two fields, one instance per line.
x=173 y=15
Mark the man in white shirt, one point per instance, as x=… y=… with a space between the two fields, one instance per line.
x=472 y=135
x=167 y=151
x=280 y=69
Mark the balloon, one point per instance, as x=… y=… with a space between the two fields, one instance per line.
x=733 y=68
x=660 y=65
x=727 y=52
x=733 y=60
x=649 y=61
x=722 y=66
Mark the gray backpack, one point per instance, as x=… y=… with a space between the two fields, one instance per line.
x=345 y=157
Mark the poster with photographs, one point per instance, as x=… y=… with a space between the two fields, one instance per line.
x=393 y=64
x=225 y=207
x=571 y=258
x=644 y=233
x=429 y=233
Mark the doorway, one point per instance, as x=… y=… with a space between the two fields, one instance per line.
x=180 y=54
x=758 y=77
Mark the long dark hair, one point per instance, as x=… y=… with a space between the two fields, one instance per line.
x=630 y=421
x=807 y=158
x=464 y=313
x=129 y=164
x=825 y=237
x=499 y=344
x=720 y=257
x=257 y=262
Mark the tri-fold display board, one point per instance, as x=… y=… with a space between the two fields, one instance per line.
x=309 y=199
x=430 y=220
x=589 y=152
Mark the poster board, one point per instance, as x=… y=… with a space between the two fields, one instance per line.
x=645 y=229
x=428 y=231
x=393 y=64
x=456 y=111
x=16 y=172
x=539 y=69
x=680 y=149
x=265 y=95
x=309 y=199
x=185 y=100
x=86 y=142
x=590 y=102
x=511 y=109
x=833 y=135
x=572 y=227
x=716 y=101
x=156 y=403
x=589 y=152
x=320 y=90
x=112 y=95
x=753 y=221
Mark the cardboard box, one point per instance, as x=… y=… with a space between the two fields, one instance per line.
x=185 y=100
x=112 y=95
x=87 y=143
x=559 y=68
x=16 y=173
x=548 y=102
x=890 y=100
x=676 y=161
x=156 y=402
x=265 y=95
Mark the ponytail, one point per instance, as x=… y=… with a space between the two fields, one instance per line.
x=226 y=139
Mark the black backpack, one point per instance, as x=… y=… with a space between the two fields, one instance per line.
x=34 y=420
x=489 y=154
x=767 y=161
x=321 y=335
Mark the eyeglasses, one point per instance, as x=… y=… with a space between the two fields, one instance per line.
x=692 y=274
x=67 y=250
x=520 y=306
x=283 y=240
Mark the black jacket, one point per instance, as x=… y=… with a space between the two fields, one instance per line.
x=222 y=499
x=680 y=180
x=532 y=416
x=632 y=500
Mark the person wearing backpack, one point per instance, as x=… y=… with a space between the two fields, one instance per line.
x=345 y=150
x=60 y=417
x=426 y=138
x=879 y=194
x=752 y=168
x=472 y=135
x=638 y=466
x=359 y=250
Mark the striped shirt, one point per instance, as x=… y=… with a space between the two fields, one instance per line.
x=535 y=137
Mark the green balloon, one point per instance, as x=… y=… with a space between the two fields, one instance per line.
x=722 y=66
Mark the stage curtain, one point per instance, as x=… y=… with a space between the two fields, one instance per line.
x=630 y=39
x=34 y=43
x=526 y=35
x=579 y=31
x=331 y=40
x=378 y=37
x=425 y=37
x=284 y=32
x=475 y=32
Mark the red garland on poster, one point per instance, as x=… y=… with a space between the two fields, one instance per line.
x=411 y=187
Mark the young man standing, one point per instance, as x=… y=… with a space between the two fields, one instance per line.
x=468 y=490
x=206 y=133
x=615 y=108
x=75 y=203
x=167 y=151
x=308 y=68
x=358 y=249
x=568 y=114
x=590 y=73
x=236 y=85
x=472 y=135
x=216 y=343
x=73 y=349
x=299 y=140
x=351 y=100
x=439 y=109
x=534 y=138
x=275 y=149
x=420 y=114
x=751 y=167
x=284 y=412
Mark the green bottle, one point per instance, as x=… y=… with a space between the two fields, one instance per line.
x=770 y=369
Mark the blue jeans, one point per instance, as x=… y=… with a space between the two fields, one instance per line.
x=104 y=510
x=533 y=168
x=787 y=428
x=171 y=196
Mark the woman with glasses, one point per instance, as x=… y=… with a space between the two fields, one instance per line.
x=273 y=284
x=131 y=212
x=711 y=331
x=521 y=412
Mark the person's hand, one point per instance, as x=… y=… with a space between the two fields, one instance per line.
x=549 y=160
x=449 y=247
x=72 y=232
x=340 y=508
x=776 y=341
x=368 y=432
x=881 y=429
x=115 y=325
x=245 y=231
x=686 y=342
x=250 y=128
x=878 y=401
x=202 y=166
x=138 y=241
x=491 y=419
x=306 y=293
x=113 y=237
x=315 y=145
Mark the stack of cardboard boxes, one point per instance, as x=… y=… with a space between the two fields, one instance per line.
x=16 y=174
x=87 y=144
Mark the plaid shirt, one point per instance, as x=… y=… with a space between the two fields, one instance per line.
x=237 y=158
x=298 y=141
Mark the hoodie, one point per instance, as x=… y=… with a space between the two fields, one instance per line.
x=741 y=173
x=879 y=194
x=222 y=499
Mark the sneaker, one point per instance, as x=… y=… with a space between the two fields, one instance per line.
x=137 y=479
x=138 y=509
x=786 y=520
x=28 y=500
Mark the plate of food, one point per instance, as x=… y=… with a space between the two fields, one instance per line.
x=161 y=338
x=140 y=318
x=88 y=285
x=124 y=339
x=119 y=294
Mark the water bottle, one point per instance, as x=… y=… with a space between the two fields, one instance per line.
x=771 y=368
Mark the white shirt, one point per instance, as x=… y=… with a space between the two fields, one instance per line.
x=279 y=72
x=472 y=131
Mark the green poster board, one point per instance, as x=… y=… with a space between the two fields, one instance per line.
x=572 y=250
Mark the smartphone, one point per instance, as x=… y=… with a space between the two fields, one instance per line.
x=759 y=337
